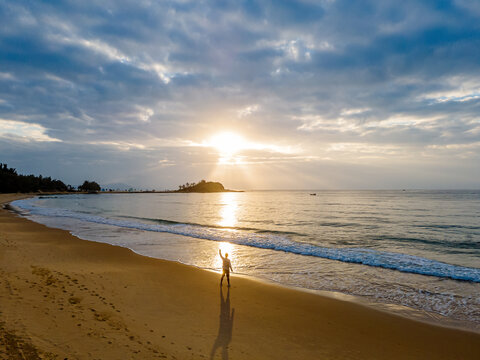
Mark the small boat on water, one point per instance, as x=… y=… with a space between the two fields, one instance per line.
x=313 y=194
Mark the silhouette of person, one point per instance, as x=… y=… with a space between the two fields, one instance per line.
x=227 y=265
x=225 y=328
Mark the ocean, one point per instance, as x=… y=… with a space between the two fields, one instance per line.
x=415 y=252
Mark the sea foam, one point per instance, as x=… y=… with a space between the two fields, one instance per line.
x=275 y=241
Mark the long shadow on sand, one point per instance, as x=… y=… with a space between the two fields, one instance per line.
x=225 y=328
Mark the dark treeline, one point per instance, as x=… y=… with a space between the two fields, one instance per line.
x=11 y=182
x=89 y=186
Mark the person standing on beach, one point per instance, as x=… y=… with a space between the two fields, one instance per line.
x=227 y=265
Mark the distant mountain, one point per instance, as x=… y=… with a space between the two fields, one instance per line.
x=117 y=187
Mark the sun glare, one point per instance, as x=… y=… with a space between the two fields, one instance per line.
x=225 y=247
x=230 y=147
x=228 y=212
x=227 y=143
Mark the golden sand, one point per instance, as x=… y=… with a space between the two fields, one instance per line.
x=62 y=297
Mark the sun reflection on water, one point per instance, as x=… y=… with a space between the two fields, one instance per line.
x=228 y=212
x=225 y=247
x=228 y=219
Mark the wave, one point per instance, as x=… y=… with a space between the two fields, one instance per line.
x=172 y=222
x=278 y=242
x=447 y=226
x=451 y=245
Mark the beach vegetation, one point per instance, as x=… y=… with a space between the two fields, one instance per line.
x=89 y=186
x=202 y=186
x=12 y=182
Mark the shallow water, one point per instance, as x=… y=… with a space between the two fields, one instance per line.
x=415 y=248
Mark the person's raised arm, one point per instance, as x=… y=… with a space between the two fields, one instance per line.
x=220 y=253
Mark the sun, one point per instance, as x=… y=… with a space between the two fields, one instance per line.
x=228 y=143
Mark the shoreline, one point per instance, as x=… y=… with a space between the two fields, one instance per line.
x=405 y=311
x=270 y=321
x=417 y=314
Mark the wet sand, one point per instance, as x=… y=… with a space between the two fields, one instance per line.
x=62 y=297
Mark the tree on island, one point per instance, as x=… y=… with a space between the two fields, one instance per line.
x=202 y=186
x=89 y=186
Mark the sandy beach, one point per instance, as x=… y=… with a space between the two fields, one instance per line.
x=62 y=297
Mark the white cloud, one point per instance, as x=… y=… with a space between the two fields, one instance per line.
x=94 y=45
x=165 y=163
x=24 y=131
x=475 y=145
x=298 y=50
x=354 y=111
x=69 y=36
x=145 y=113
x=247 y=111
x=347 y=122
x=400 y=120
x=147 y=144
x=6 y=76
x=364 y=150
x=59 y=80
x=120 y=145
x=318 y=122
x=160 y=69
x=458 y=89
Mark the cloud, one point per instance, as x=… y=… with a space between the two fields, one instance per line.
x=249 y=110
x=24 y=131
x=456 y=88
x=386 y=79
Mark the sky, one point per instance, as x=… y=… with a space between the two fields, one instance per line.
x=277 y=94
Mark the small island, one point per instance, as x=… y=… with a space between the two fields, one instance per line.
x=203 y=187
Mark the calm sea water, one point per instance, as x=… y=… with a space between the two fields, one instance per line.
x=420 y=249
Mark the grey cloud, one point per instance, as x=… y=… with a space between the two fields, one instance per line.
x=135 y=72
